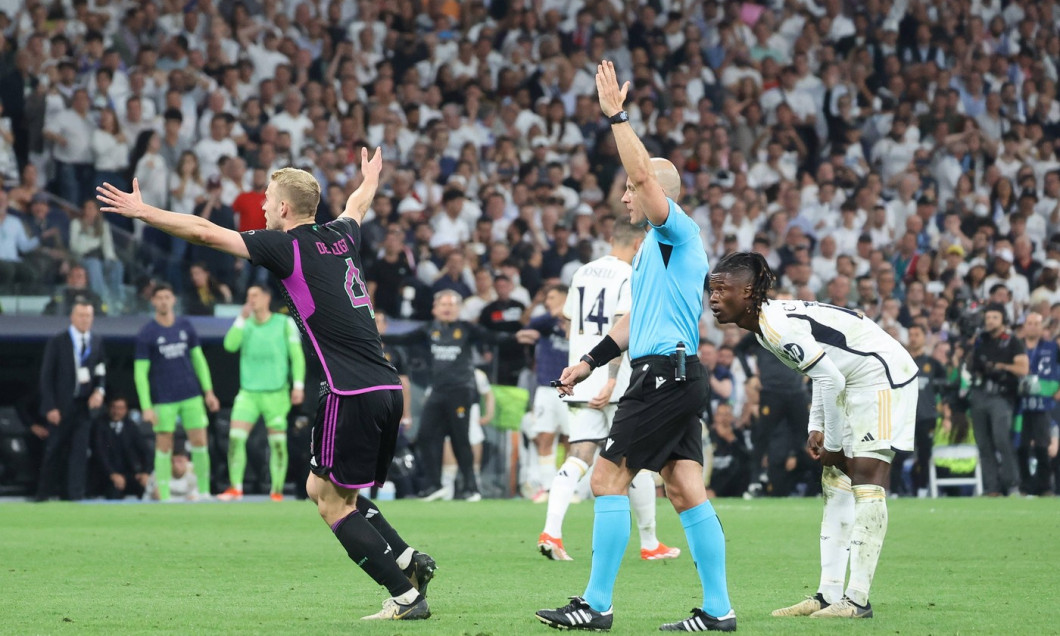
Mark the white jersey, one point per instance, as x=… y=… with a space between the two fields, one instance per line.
x=800 y=333
x=599 y=290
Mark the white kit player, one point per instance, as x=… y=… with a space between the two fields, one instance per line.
x=599 y=295
x=863 y=410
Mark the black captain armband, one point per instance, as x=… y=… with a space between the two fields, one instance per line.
x=605 y=351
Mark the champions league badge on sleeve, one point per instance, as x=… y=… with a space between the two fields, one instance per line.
x=794 y=352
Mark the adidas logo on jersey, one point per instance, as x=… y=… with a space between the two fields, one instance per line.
x=868 y=438
x=659 y=382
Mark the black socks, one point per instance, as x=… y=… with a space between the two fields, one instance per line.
x=371 y=512
x=370 y=552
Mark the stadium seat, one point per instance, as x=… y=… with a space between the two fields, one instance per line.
x=28 y=305
x=227 y=310
x=15 y=475
x=958 y=451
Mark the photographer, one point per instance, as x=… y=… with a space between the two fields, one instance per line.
x=997 y=361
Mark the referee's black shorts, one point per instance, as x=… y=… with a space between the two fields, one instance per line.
x=658 y=417
x=354 y=437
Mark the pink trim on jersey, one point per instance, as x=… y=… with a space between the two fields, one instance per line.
x=353 y=486
x=327 y=446
x=298 y=290
x=324 y=433
x=380 y=387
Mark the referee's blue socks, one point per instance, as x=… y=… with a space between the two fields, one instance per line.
x=611 y=523
x=706 y=540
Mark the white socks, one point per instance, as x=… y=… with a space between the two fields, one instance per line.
x=546 y=470
x=837 y=524
x=405 y=558
x=449 y=472
x=870 y=527
x=563 y=485
x=642 y=501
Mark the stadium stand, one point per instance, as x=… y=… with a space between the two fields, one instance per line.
x=862 y=148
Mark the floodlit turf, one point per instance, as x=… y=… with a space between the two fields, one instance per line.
x=956 y=566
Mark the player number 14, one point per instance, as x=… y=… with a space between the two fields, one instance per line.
x=596 y=313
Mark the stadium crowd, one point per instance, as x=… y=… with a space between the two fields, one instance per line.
x=897 y=158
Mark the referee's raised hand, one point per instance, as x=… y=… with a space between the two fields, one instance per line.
x=611 y=96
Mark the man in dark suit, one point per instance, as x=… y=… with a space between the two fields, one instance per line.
x=122 y=459
x=72 y=379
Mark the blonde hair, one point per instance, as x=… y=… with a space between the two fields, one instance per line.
x=299 y=189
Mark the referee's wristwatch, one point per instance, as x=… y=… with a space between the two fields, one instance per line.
x=621 y=117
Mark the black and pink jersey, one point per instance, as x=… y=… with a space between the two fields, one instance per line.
x=320 y=268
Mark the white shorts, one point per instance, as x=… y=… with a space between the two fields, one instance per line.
x=879 y=420
x=591 y=425
x=551 y=414
x=475 y=435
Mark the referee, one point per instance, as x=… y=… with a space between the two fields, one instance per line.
x=657 y=425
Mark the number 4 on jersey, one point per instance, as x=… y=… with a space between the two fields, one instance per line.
x=355 y=288
x=596 y=314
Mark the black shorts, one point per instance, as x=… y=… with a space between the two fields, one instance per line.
x=658 y=418
x=354 y=437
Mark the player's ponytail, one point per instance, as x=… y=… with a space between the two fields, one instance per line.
x=755 y=267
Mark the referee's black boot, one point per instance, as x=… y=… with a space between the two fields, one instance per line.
x=577 y=615
x=700 y=621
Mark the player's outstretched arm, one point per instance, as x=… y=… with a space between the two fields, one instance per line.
x=189 y=227
x=635 y=157
x=361 y=199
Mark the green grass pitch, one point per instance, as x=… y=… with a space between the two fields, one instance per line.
x=950 y=566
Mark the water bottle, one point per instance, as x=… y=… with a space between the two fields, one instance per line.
x=386 y=492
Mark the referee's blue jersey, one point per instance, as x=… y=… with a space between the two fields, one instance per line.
x=668 y=276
